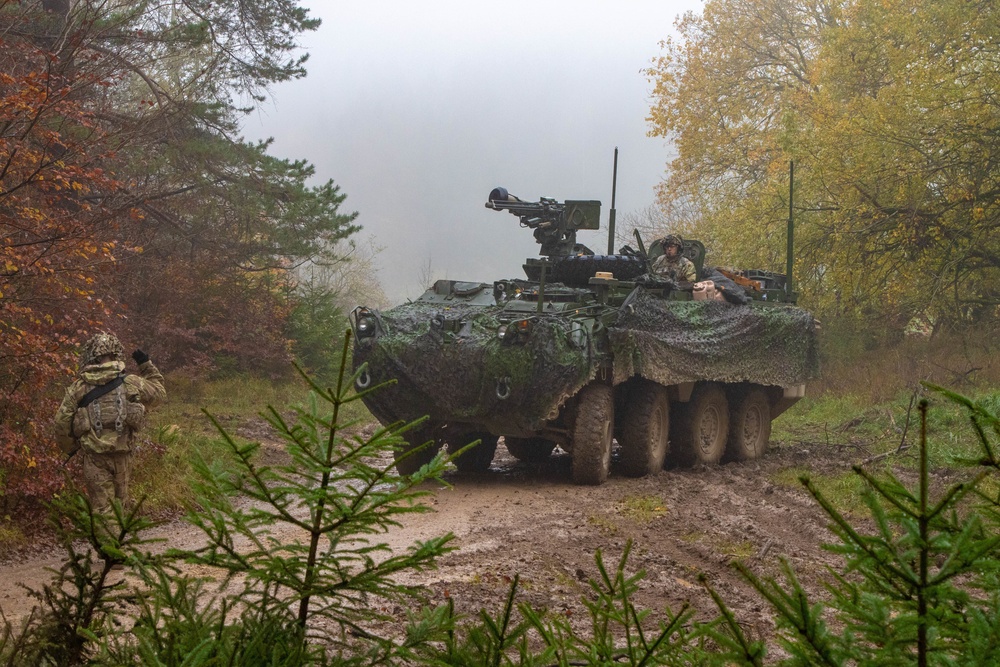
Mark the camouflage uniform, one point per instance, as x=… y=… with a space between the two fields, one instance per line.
x=679 y=269
x=105 y=430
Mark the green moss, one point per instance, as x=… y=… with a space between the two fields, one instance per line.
x=602 y=522
x=642 y=509
x=738 y=550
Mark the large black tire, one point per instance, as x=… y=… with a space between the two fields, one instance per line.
x=749 y=425
x=529 y=450
x=645 y=429
x=703 y=429
x=477 y=459
x=577 y=270
x=407 y=463
x=593 y=430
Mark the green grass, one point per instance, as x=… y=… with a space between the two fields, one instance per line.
x=878 y=429
x=11 y=535
x=642 y=509
x=178 y=431
x=742 y=550
x=873 y=430
x=603 y=523
x=842 y=490
x=233 y=398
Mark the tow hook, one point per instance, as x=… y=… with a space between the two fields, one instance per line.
x=503 y=388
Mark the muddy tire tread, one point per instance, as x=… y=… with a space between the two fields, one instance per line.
x=592 y=434
x=706 y=396
x=740 y=447
x=645 y=429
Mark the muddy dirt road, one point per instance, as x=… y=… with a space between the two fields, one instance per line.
x=531 y=520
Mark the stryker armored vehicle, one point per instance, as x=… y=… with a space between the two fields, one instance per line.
x=585 y=350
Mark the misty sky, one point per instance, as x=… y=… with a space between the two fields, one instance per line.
x=417 y=110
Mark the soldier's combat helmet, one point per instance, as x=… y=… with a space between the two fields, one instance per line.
x=672 y=239
x=100 y=344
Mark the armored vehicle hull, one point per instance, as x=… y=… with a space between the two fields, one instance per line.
x=649 y=363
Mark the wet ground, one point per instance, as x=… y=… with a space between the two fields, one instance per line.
x=532 y=521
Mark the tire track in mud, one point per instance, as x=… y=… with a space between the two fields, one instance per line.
x=531 y=521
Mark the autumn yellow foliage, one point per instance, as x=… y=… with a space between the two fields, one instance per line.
x=891 y=114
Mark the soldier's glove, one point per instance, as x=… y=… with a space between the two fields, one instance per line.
x=140 y=357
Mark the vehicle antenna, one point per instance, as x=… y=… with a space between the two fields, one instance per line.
x=789 y=250
x=611 y=218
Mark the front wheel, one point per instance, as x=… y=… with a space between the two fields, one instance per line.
x=645 y=428
x=411 y=456
x=749 y=426
x=592 y=433
x=704 y=429
x=529 y=450
x=479 y=457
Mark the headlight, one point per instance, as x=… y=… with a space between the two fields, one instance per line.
x=515 y=332
x=365 y=323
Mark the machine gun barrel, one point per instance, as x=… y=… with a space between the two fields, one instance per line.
x=543 y=213
x=555 y=223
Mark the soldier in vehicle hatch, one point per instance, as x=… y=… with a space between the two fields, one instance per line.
x=672 y=265
x=101 y=412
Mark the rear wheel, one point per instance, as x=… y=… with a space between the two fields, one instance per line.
x=529 y=450
x=704 y=429
x=411 y=456
x=592 y=433
x=749 y=425
x=479 y=457
x=645 y=428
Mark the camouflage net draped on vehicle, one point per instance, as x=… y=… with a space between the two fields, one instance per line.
x=685 y=341
x=462 y=372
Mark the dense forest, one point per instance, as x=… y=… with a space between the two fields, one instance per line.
x=130 y=202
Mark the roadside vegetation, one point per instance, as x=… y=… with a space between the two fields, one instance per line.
x=921 y=588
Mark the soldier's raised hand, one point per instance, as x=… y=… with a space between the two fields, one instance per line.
x=140 y=357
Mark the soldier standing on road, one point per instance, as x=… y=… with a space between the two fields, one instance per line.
x=672 y=265
x=101 y=413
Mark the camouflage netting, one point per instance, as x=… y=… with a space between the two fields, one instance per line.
x=683 y=341
x=453 y=376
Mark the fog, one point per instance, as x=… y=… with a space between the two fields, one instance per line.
x=417 y=110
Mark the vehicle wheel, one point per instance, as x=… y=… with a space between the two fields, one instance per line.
x=529 y=450
x=749 y=426
x=704 y=429
x=407 y=463
x=477 y=459
x=579 y=269
x=645 y=429
x=592 y=432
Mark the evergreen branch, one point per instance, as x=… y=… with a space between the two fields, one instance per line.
x=793 y=608
x=884 y=492
x=262 y=489
x=855 y=537
x=749 y=652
